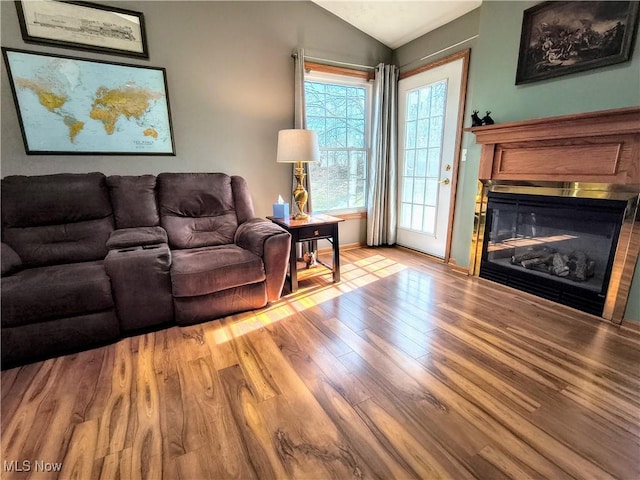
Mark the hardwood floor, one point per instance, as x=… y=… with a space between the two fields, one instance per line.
x=404 y=370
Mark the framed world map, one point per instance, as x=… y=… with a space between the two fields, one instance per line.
x=68 y=105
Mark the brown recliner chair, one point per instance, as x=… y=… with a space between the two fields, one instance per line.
x=224 y=260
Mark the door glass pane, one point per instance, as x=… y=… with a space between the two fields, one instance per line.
x=407 y=190
x=416 y=217
x=421 y=163
x=425 y=102
x=424 y=124
x=411 y=135
x=433 y=163
x=409 y=160
x=422 y=133
x=412 y=105
x=429 y=224
x=405 y=215
x=431 y=192
x=435 y=132
x=439 y=98
x=418 y=190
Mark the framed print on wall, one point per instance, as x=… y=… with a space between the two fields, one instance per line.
x=83 y=25
x=72 y=106
x=559 y=38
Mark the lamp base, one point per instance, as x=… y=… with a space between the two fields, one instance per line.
x=300 y=195
x=301 y=216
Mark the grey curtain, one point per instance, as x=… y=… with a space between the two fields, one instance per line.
x=300 y=116
x=383 y=164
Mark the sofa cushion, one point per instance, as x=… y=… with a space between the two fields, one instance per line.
x=197 y=209
x=205 y=270
x=134 y=200
x=10 y=260
x=55 y=219
x=39 y=294
x=54 y=199
x=136 y=237
x=59 y=244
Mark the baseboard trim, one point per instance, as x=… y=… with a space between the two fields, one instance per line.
x=458 y=268
x=343 y=247
x=631 y=326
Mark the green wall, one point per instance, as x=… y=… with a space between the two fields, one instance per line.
x=494 y=57
x=230 y=81
x=492 y=87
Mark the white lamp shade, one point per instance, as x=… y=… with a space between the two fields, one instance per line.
x=297 y=145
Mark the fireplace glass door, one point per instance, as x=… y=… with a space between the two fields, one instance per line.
x=560 y=248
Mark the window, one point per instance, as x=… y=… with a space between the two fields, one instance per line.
x=338 y=110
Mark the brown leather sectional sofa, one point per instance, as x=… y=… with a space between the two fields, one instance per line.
x=88 y=258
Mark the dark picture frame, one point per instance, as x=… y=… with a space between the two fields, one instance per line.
x=84 y=26
x=563 y=37
x=76 y=106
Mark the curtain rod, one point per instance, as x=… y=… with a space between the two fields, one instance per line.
x=440 y=51
x=334 y=62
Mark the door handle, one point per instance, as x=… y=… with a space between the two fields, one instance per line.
x=446 y=181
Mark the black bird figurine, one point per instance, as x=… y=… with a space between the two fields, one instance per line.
x=476 y=121
x=487 y=120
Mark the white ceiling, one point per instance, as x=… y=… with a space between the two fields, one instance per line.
x=397 y=22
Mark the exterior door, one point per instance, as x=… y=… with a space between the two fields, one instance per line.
x=428 y=105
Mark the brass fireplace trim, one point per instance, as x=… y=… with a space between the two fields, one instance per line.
x=627 y=249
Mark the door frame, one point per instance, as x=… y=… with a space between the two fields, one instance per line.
x=464 y=55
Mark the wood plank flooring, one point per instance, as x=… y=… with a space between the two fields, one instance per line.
x=405 y=369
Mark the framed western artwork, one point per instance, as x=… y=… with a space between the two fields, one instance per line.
x=68 y=105
x=83 y=25
x=559 y=38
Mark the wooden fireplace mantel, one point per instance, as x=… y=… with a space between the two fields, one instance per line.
x=594 y=147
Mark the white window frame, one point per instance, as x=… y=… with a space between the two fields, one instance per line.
x=337 y=79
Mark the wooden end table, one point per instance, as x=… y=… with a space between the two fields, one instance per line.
x=316 y=227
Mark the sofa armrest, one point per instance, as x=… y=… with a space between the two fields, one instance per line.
x=141 y=283
x=272 y=243
x=9 y=260
x=136 y=237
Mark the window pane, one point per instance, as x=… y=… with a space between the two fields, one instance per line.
x=355 y=133
x=356 y=105
x=335 y=132
x=338 y=114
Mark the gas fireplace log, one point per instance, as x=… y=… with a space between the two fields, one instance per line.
x=579 y=266
x=591 y=268
x=530 y=255
x=532 y=262
x=559 y=266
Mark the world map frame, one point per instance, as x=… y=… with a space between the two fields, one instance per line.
x=74 y=106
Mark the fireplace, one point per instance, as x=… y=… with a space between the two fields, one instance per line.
x=557 y=208
x=559 y=248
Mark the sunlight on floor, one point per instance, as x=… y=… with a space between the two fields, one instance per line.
x=353 y=275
